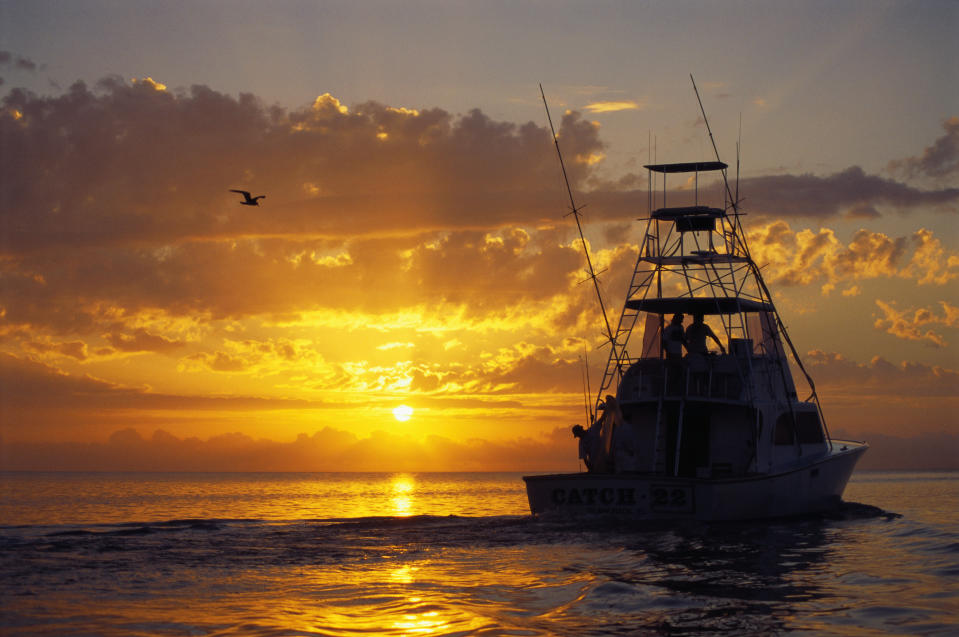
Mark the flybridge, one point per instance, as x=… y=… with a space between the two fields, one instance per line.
x=687 y=218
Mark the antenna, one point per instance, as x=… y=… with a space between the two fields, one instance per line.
x=738 y=142
x=713 y=141
x=582 y=238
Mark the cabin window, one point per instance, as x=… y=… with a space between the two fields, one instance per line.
x=784 y=430
x=807 y=429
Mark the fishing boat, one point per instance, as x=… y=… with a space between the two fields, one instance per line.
x=683 y=428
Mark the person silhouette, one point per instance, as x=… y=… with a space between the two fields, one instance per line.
x=674 y=339
x=587 y=440
x=696 y=335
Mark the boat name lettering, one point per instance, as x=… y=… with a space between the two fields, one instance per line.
x=608 y=496
x=676 y=499
x=666 y=497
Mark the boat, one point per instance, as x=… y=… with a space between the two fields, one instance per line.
x=680 y=429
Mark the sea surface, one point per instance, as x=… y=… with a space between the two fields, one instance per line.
x=456 y=554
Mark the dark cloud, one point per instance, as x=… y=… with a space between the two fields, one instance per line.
x=331 y=449
x=17 y=62
x=73 y=349
x=862 y=211
x=30 y=386
x=328 y=449
x=933 y=451
x=140 y=340
x=876 y=377
x=940 y=160
x=84 y=292
x=908 y=399
x=38 y=397
x=116 y=221
x=135 y=164
x=851 y=191
x=118 y=201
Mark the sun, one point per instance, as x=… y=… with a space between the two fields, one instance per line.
x=402 y=413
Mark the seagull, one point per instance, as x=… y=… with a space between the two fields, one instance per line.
x=247 y=199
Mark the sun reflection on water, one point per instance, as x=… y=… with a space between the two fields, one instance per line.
x=404 y=575
x=424 y=623
x=402 y=489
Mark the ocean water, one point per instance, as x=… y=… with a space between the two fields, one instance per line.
x=457 y=554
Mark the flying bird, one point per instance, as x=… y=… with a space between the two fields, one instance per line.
x=247 y=199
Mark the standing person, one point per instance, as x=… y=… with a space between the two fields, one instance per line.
x=674 y=338
x=585 y=445
x=696 y=335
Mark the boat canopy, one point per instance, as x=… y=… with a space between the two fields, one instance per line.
x=698 y=305
x=690 y=218
x=683 y=212
x=687 y=167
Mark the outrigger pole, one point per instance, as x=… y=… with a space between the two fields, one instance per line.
x=575 y=212
x=759 y=279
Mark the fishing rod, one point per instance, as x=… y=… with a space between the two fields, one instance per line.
x=587 y=392
x=575 y=211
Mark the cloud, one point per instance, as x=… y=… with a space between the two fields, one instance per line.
x=913 y=324
x=851 y=192
x=806 y=257
x=399 y=252
x=331 y=449
x=140 y=340
x=18 y=62
x=613 y=107
x=42 y=398
x=881 y=378
x=74 y=349
x=938 y=161
x=158 y=300
x=863 y=397
x=130 y=164
x=907 y=399
x=118 y=220
x=933 y=451
x=931 y=263
x=34 y=387
x=328 y=449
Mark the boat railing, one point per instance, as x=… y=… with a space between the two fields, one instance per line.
x=722 y=377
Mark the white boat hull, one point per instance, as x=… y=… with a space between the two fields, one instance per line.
x=810 y=487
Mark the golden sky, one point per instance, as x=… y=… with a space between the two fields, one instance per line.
x=407 y=256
